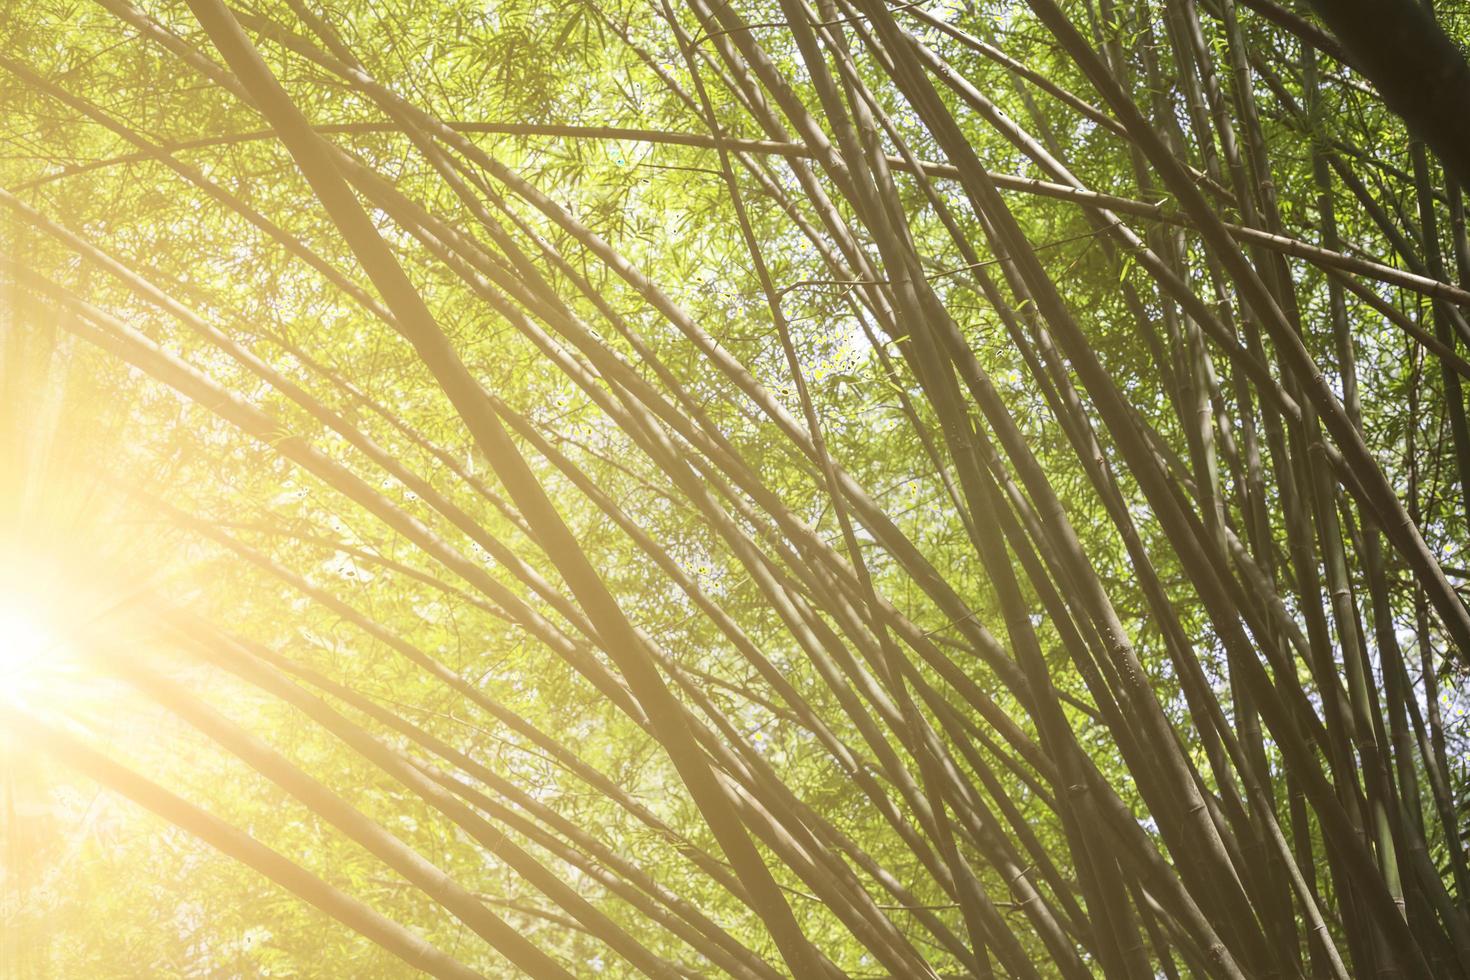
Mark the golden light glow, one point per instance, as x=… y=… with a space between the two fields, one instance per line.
x=34 y=652
x=25 y=641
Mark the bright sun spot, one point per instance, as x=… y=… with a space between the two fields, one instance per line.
x=28 y=648
x=22 y=638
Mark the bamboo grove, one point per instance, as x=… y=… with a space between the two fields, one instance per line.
x=813 y=488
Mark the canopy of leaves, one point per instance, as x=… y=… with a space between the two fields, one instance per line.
x=773 y=488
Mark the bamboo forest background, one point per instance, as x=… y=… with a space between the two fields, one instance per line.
x=682 y=488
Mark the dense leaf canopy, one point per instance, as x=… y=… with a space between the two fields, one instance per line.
x=764 y=489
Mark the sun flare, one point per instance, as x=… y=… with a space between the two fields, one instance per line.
x=31 y=648
x=24 y=639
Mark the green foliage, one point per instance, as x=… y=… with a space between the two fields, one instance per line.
x=169 y=505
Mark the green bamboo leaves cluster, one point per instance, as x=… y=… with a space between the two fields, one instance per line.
x=816 y=489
